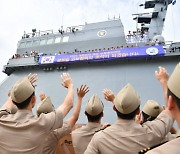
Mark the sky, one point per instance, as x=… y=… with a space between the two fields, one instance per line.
x=17 y=16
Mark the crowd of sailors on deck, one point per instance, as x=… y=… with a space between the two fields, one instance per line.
x=76 y=51
x=25 y=55
x=137 y=36
x=134 y=131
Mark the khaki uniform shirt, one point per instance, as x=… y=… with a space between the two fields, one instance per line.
x=128 y=137
x=52 y=139
x=171 y=147
x=169 y=137
x=24 y=133
x=82 y=136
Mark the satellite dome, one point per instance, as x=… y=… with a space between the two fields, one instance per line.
x=158 y=39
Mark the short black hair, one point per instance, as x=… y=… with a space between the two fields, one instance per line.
x=25 y=103
x=94 y=118
x=127 y=116
x=147 y=117
x=177 y=100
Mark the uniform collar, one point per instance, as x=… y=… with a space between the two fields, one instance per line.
x=23 y=114
x=125 y=121
x=93 y=124
x=24 y=111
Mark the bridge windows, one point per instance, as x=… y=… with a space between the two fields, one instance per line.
x=35 y=42
x=43 y=42
x=22 y=45
x=65 y=39
x=57 y=40
x=28 y=44
x=50 y=41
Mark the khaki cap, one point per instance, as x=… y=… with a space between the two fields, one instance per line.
x=45 y=106
x=127 y=100
x=22 y=90
x=152 y=108
x=174 y=81
x=94 y=106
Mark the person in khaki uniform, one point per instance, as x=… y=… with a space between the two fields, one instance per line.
x=23 y=132
x=150 y=111
x=126 y=136
x=82 y=136
x=173 y=103
x=46 y=106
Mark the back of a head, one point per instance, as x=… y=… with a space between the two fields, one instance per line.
x=94 y=106
x=45 y=106
x=21 y=92
x=152 y=109
x=127 y=100
x=174 y=84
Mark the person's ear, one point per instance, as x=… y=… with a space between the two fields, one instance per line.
x=114 y=108
x=138 y=111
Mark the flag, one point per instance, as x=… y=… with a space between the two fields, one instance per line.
x=47 y=59
x=173 y=2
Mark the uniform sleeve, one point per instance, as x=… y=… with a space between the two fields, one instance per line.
x=92 y=146
x=61 y=132
x=52 y=120
x=169 y=137
x=52 y=139
x=160 y=126
x=50 y=144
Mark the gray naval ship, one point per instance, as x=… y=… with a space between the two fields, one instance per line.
x=99 y=55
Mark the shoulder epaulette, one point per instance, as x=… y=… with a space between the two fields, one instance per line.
x=150 y=148
x=5 y=110
x=101 y=129
x=144 y=150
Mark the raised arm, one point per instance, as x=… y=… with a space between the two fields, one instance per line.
x=66 y=106
x=33 y=78
x=108 y=95
x=81 y=92
x=9 y=107
x=163 y=77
